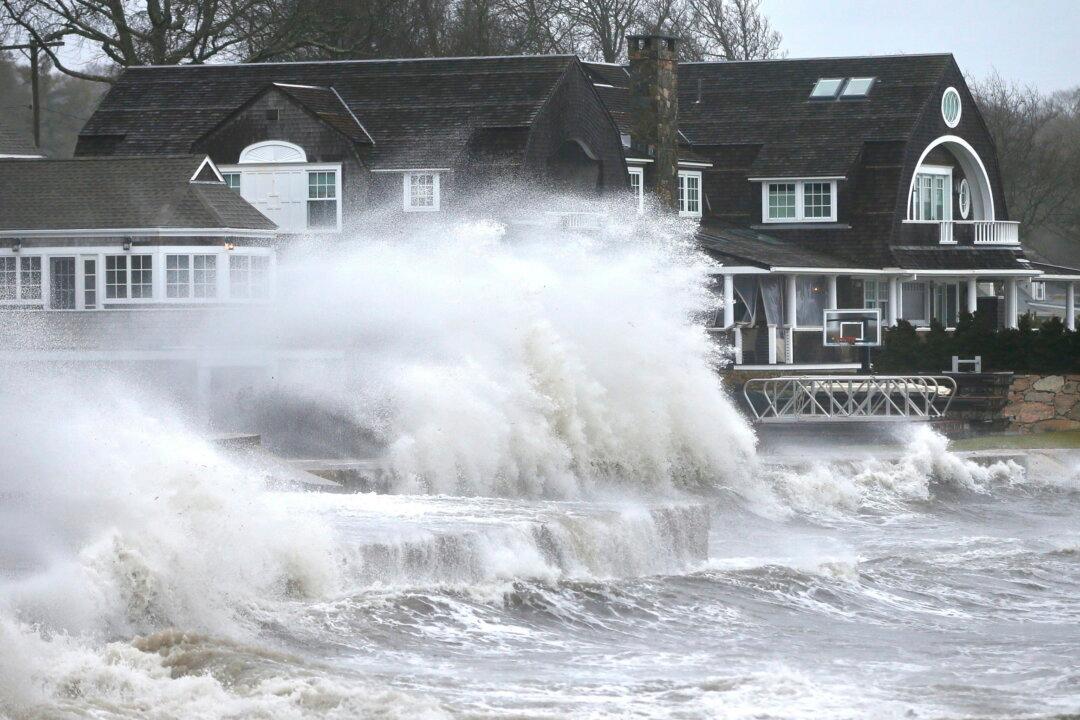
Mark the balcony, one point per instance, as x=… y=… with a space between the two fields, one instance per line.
x=964 y=232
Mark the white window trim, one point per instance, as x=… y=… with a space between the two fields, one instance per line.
x=308 y=167
x=947 y=172
x=42 y=285
x=158 y=277
x=800 y=201
x=701 y=193
x=250 y=149
x=1038 y=290
x=950 y=91
x=639 y=173
x=406 y=201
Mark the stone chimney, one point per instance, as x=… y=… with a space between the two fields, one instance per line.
x=654 y=111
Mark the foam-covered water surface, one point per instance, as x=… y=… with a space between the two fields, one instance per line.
x=577 y=522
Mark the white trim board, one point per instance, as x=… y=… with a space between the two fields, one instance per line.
x=119 y=233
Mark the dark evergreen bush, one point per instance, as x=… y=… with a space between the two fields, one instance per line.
x=1046 y=348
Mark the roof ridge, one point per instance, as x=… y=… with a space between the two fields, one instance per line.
x=817 y=57
x=354 y=61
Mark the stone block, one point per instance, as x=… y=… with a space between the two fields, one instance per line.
x=1039 y=397
x=1012 y=409
x=1050 y=383
x=1073 y=378
x=1021 y=383
x=1055 y=425
x=1033 y=412
x=1071 y=387
x=1064 y=403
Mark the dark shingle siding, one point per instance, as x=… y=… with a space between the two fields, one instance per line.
x=106 y=193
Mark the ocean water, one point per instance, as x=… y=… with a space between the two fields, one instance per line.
x=578 y=523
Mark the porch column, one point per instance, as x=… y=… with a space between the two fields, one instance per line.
x=894 y=300
x=789 y=301
x=1070 y=305
x=1011 y=309
x=738 y=346
x=729 y=300
x=832 y=292
x=972 y=294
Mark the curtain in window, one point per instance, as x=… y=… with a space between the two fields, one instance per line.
x=772 y=299
x=746 y=289
x=811 y=299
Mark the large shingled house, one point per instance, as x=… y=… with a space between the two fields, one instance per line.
x=861 y=182
x=315 y=145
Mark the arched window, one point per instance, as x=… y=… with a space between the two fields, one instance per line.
x=273 y=151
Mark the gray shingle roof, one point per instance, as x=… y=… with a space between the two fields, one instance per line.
x=14 y=143
x=959 y=258
x=767 y=103
x=418 y=112
x=731 y=244
x=114 y=193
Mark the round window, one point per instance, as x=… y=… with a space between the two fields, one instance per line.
x=965 y=199
x=950 y=107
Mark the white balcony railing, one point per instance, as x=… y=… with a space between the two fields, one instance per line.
x=996 y=232
x=983 y=232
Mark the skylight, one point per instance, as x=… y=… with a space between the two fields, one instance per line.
x=826 y=88
x=857 y=87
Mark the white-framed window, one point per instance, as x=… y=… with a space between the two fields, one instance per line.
x=690 y=193
x=232 y=179
x=191 y=276
x=249 y=276
x=931 y=194
x=637 y=186
x=322 y=200
x=421 y=192
x=951 y=108
x=876 y=295
x=129 y=276
x=20 y=278
x=1038 y=290
x=785 y=201
x=964 y=199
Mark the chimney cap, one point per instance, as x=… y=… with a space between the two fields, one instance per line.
x=659 y=36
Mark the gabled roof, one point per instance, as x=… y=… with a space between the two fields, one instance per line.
x=13 y=143
x=419 y=113
x=166 y=193
x=325 y=104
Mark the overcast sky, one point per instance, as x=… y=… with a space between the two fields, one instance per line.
x=1032 y=41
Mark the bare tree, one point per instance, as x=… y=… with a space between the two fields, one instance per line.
x=735 y=30
x=160 y=32
x=1038 y=147
x=607 y=22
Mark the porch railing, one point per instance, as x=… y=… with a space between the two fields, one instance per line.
x=849 y=398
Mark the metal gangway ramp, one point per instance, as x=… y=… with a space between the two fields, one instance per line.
x=849 y=398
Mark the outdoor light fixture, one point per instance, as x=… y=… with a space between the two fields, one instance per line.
x=127 y=244
x=17 y=246
x=230 y=246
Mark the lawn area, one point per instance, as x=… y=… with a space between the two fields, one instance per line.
x=1035 y=441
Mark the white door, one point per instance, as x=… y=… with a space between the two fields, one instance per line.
x=279 y=194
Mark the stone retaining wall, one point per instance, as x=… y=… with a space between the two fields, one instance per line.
x=1039 y=403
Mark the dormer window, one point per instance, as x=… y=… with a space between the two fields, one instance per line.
x=796 y=201
x=826 y=89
